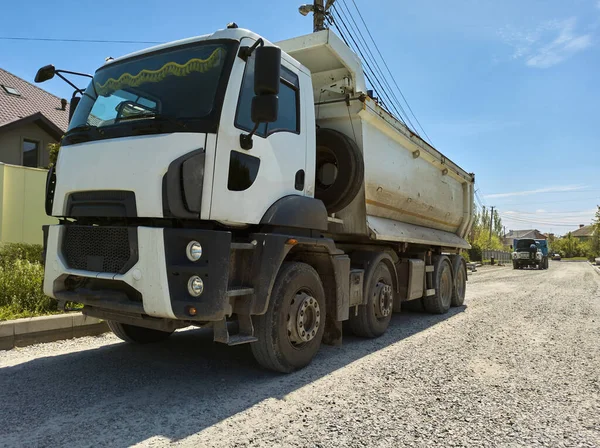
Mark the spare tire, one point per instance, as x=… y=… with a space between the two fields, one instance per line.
x=340 y=169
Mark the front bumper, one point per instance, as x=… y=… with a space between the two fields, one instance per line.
x=153 y=280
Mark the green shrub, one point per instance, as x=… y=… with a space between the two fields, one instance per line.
x=11 y=252
x=21 y=288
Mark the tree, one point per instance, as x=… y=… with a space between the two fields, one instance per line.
x=53 y=149
x=595 y=242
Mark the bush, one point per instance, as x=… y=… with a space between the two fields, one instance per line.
x=21 y=289
x=11 y=252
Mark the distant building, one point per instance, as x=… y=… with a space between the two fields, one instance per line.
x=30 y=119
x=529 y=233
x=583 y=233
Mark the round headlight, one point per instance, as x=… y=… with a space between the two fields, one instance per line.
x=195 y=286
x=193 y=251
x=515 y=255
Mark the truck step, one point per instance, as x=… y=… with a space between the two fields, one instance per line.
x=430 y=292
x=243 y=246
x=236 y=292
x=237 y=339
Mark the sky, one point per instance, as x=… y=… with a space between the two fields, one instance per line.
x=508 y=90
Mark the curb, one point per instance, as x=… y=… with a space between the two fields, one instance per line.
x=595 y=268
x=34 y=330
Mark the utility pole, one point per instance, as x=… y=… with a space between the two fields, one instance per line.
x=318 y=16
x=491 y=224
x=319 y=13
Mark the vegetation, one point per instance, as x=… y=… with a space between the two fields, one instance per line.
x=571 y=247
x=53 y=149
x=486 y=234
x=21 y=278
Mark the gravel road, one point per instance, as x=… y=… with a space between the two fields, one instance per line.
x=519 y=365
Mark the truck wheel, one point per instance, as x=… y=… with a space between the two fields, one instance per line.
x=460 y=281
x=515 y=265
x=373 y=318
x=290 y=332
x=138 y=335
x=340 y=169
x=443 y=284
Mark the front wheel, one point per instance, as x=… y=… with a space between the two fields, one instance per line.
x=290 y=332
x=137 y=335
x=515 y=265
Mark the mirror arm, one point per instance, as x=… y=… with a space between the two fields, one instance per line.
x=246 y=52
x=246 y=139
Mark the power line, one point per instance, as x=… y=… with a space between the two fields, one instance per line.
x=376 y=86
x=89 y=41
x=390 y=72
x=554 y=202
x=375 y=63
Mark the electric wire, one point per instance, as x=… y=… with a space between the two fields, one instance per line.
x=380 y=73
x=390 y=73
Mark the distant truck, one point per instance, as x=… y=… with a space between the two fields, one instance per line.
x=225 y=178
x=525 y=256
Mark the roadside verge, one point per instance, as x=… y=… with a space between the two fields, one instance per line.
x=595 y=268
x=33 y=330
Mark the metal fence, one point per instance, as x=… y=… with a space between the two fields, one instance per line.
x=499 y=256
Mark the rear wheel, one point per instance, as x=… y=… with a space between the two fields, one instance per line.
x=460 y=281
x=290 y=332
x=138 y=335
x=374 y=318
x=443 y=284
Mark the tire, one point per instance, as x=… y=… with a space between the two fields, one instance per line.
x=443 y=285
x=344 y=159
x=515 y=265
x=137 y=335
x=459 y=274
x=296 y=284
x=374 y=318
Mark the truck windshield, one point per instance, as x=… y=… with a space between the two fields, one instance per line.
x=524 y=244
x=173 y=90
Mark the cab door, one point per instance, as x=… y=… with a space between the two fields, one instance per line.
x=247 y=182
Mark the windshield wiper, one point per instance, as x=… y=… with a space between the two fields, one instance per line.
x=157 y=118
x=84 y=128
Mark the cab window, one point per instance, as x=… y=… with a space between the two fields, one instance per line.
x=288 y=116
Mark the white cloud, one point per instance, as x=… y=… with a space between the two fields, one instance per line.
x=538 y=191
x=550 y=43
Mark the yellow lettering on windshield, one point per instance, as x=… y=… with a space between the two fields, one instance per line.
x=170 y=68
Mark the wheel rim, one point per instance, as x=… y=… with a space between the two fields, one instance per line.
x=327 y=168
x=461 y=282
x=304 y=319
x=446 y=286
x=383 y=300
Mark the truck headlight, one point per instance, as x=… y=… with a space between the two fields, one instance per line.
x=195 y=286
x=193 y=251
x=515 y=255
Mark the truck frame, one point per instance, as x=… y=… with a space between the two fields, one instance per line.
x=257 y=189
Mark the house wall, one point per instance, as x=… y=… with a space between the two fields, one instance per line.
x=11 y=145
x=22 y=198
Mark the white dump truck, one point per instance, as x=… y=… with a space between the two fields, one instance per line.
x=255 y=188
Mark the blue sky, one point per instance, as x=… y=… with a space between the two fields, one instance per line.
x=509 y=90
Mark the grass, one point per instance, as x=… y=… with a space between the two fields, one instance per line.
x=21 y=278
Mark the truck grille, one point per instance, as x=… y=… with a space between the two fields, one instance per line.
x=100 y=249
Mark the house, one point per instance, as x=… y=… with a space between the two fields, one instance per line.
x=30 y=119
x=583 y=233
x=517 y=234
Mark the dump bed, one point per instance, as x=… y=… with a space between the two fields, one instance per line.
x=411 y=192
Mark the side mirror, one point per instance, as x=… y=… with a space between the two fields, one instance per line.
x=45 y=73
x=265 y=104
x=74 y=102
x=267 y=71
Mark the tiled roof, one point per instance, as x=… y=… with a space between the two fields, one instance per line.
x=31 y=100
x=583 y=231
x=531 y=233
